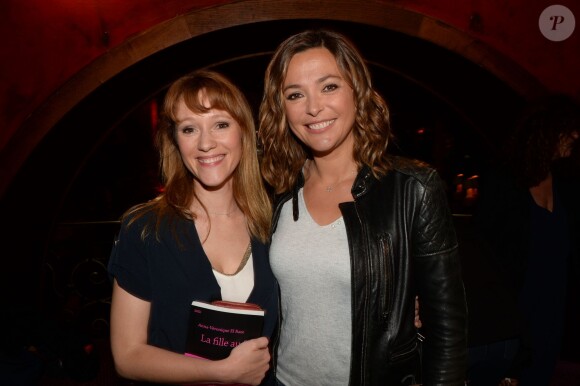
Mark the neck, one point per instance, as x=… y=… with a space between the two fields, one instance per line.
x=217 y=210
x=217 y=202
x=223 y=213
x=330 y=177
x=330 y=171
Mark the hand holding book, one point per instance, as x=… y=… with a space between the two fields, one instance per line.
x=229 y=331
x=216 y=328
x=249 y=361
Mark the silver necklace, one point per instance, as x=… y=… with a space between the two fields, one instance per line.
x=330 y=188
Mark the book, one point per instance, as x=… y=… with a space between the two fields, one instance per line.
x=216 y=328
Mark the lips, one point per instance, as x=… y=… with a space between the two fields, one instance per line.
x=320 y=125
x=210 y=160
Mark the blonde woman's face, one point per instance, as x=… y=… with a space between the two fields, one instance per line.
x=210 y=145
x=319 y=103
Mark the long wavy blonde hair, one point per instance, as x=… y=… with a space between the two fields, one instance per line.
x=179 y=193
x=283 y=154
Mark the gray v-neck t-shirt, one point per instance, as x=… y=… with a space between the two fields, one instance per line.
x=312 y=264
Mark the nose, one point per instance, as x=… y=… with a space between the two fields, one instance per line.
x=314 y=106
x=206 y=141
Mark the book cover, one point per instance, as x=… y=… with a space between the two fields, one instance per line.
x=216 y=328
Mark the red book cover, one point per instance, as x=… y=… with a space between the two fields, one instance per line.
x=216 y=328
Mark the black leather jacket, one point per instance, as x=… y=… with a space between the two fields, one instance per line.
x=402 y=243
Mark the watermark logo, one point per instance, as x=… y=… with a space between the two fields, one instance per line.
x=557 y=23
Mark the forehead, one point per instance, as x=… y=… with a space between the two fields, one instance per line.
x=312 y=64
x=202 y=108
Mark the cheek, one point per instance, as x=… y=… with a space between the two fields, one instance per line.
x=179 y=144
x=291 y=112
x=297 y=133
x=236 y=146
x=347 y=104
x=186 y=148
x=294 y=123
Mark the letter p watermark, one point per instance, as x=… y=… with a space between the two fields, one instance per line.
x=557 y=23
x=557 y=20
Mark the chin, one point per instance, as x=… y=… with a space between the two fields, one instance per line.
x=214 y=183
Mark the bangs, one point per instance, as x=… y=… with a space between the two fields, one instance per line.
x=203 y=92
x=202 y=95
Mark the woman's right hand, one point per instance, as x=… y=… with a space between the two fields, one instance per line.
x=249 y=361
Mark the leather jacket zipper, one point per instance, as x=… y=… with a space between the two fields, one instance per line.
x=385 y=280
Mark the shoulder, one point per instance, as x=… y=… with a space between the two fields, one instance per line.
x=138 y=217
x=411 y=168
x=147 y=221
x=404 y=175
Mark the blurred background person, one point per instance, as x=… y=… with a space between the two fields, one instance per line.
x=528 y=217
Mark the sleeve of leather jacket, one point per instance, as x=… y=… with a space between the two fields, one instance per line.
x=443 y=308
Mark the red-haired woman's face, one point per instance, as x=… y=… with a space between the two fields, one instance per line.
x=210 y=145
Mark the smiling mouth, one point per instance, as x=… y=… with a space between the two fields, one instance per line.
x=320 y=125
x=211 y=160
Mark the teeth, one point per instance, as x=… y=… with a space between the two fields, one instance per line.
x=210 y=160
x=321 y=125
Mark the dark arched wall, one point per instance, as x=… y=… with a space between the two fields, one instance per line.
x=75 y=62
x=50 y=44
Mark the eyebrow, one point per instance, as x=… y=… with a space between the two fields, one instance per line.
x=319 y=80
